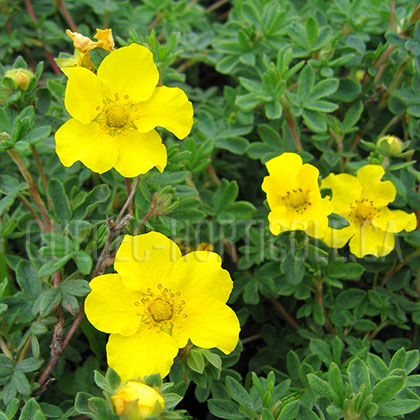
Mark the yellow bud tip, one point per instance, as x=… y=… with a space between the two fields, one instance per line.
x=21 y=77
x=136 y=400
x=390 y=145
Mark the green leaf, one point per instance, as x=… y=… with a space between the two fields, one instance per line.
x=314 y=120
x=336 y=381
x=323 y=88
x=350 y=298
x=398 y=359
x=37 y=134
x=377 y=366
x=30 y=409
x=29 y=365
x=49 y=301
x=21 y=383
x=225 y=409
x=237 y=392
x=358 y=374
x=52 y=266
x=398 y=407
x=98 y=195
x=75 y=287
x=306 y=82
x=322 y=349
x=311 y=27
x=84 y=262
x=344 y=271
x=59 y=200
x=387 y=388
x=28 y=279
x=319 y=386
x=348 y=91
x=289 y=411
x=273 y=110
x=101 y=381
x=195 y=360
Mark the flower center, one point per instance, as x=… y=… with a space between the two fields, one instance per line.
x=116 y=116
x=297 y=200
x=362 y=211
x=161 y=310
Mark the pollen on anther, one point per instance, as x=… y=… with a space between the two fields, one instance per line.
x=98 y=108
x=178 y=293
x=137 y=303
x=182 y=302
x=138 y=313
x=160 y=286
x=172 y=295
x=178 y=326
x=184 y=315
x=149 y=290
x=125 y=96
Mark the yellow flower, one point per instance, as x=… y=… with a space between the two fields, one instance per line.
x=294 y=197
x=115 y=114
x=136 y=400
x=363 y=201
x=157 y=302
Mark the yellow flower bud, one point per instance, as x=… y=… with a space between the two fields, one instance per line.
x=390 y=145
x=136 y=400
x=21 y=77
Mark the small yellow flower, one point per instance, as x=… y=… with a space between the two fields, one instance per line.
x=363 y=201
x=115 y=114
x=157 y=302
x=136 y=400
x=294 y=197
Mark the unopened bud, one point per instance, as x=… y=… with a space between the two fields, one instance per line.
x=390 y=145
x=136 y=400
x=21 y=77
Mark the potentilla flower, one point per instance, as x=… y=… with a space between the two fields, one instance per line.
x=135 y=400
x=294 y=197
x=157 y=302
x=115 y=113
x=363 y=201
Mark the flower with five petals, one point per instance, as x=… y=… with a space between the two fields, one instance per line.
x=115 y=113
x=294 y=197
x=363 y=200
x=157 y=302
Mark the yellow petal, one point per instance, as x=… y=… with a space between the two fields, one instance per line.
x=209 y=323
x=144 y=261
x=88 y=143
x=129 y=71
x=337 y=238
x=346 y=189
x=168 y=108
x=140 y=152
x=371 y=240
x=144 y=353
x=83 y=94
x=200 y=273
x=110 y=307
x=285 y=169
x=394 y=220
x=309 y=175
x=380 y=192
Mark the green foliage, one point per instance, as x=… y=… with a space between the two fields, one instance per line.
x=324 y=335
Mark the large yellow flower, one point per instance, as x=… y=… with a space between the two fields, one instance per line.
x=157 y=302
x=363 y=201
x=115 y=114
x=294 y=197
